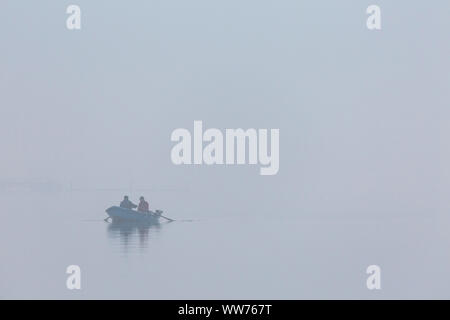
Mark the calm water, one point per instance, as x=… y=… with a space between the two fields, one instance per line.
x=213 y=254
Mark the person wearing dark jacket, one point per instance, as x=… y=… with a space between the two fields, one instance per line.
x=127 y=204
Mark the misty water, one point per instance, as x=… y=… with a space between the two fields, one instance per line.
x=212 y=255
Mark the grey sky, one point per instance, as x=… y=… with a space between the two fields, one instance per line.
x=362 y=114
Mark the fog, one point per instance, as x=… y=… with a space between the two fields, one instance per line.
x=363 y=119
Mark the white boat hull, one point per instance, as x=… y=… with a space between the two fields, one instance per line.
x=119 y=214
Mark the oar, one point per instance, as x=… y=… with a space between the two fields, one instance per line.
x=159 y=214
x=167 y=218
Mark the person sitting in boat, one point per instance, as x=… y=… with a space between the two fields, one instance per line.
x=127 y=204
x=143 y=205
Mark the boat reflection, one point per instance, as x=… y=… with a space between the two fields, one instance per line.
x=132 y=235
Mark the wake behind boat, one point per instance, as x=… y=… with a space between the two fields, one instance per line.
x=118 y=214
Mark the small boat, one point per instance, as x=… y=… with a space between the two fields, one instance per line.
x=118 y=214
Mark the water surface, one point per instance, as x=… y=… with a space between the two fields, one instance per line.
x=213 y=255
